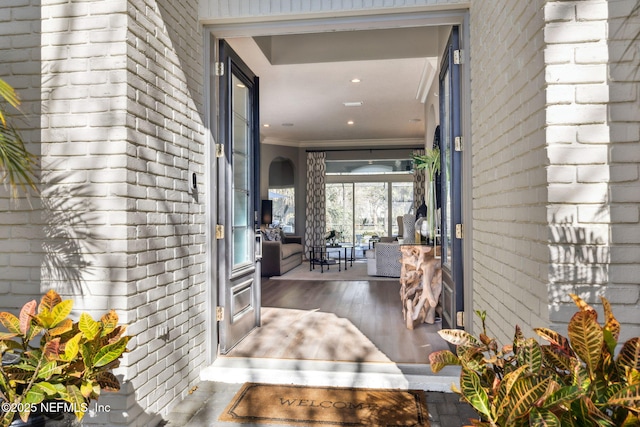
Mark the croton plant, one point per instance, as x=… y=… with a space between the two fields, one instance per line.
x=574 y=381
x=47 y=356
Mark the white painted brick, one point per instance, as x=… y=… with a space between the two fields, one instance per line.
x=577 y=155
x=625 y=173
x=589 y=173
x=592 y=10
x=561 y=94
x=576 y=114
x=586 y=193
x=586 y=94
x=560 y=11
x=561 y=134
x=598 y=133
x=625 y=193
x=626 y=153
x=592 y=54
x=561 y=174
x=625 y=214
x=590 y=73
x=574 y=32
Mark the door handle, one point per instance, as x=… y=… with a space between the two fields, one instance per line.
x=258 y=245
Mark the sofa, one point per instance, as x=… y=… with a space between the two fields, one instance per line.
x=282 y=255
x=384 y=260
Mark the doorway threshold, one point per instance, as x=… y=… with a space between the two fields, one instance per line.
x=234 y=370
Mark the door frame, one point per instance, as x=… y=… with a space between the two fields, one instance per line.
x=311 y=23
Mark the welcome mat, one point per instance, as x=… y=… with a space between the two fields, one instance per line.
x=327 y=406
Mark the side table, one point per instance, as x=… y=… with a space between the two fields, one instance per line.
x=318 y=255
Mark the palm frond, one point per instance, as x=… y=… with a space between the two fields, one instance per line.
x=16 y=163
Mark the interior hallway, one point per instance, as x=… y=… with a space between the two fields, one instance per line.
x=345 y=321
x=339 y=333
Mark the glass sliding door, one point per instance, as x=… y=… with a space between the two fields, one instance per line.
x=371 y=213
x=359 y=210
x=339 y=216
x=401 y=203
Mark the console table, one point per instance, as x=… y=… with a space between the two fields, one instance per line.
x=420 y=284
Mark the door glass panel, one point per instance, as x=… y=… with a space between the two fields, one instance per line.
x=446 y=170
x=241 y=141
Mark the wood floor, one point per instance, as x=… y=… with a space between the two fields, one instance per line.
x=337 y=320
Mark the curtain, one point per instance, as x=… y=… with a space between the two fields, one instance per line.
x=315 y=211
x=418 y=184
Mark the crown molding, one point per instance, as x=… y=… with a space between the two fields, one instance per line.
x=281 y=142
x=348 y=143
x=428 y=76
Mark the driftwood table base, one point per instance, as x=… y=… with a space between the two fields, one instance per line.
x=420 y=284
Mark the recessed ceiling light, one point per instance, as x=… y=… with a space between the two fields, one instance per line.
x=352 y=104
x=240 y=85
x=266 y=125
x=356 y=80
x=350 y=122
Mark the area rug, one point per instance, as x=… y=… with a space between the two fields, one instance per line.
x=308 y=334
x=357 y=272
x=327 y=406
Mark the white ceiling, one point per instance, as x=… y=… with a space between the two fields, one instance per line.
x=305 y=80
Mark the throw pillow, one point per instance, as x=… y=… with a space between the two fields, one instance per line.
x=272 y=234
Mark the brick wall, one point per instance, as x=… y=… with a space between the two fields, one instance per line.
x=113 y=92
x=555 y=160
x=165 y=223
x=21 y=230
x=623 y=289
x=510 y=253
x=594 y=152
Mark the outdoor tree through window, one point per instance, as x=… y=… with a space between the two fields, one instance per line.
x=356 y=211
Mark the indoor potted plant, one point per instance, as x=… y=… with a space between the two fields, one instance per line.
x=51 y=361
x=575 y=381
x=430 y=162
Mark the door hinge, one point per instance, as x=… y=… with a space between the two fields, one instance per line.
x=219 y=68
x=458 y=143
x=460 y=318
x=457 y=57
x=219 y=314
x=459 y=231
x=219 y=150
x=219 y=231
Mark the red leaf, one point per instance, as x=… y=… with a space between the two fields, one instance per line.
x=52 y=349
x=26 y=314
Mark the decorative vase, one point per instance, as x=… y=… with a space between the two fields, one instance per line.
x=408 y=228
